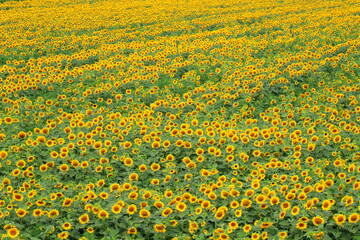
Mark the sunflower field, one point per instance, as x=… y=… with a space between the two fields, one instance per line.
x=187 y=119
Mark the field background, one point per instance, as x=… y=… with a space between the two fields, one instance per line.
x=179 y=119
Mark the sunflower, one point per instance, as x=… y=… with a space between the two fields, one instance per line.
x=301 y=225
x=266 y=225
x=132 y=230
x=255 y=184
x=37 y=212
x=66 y=226
x=63 y=235
x=234 y=204
x=160 y=228
x=21 y=212
x=233 y=225
x=354 y=218
x=146 y=195
x=245 y=140
x=114 y=187
x=155 y=167
x=84 y=218
x=142 y=168
x=179 y=143
x=128 y=162
x=155 y=181
x=206 y=204
x=133 y=195
x=212 y=196
x=247 y=228
x=144 y=213
x=339 y=219
x=13 y=232
x=290 y=196
x=22 y=134
x=155 y=144
x=245 y=203
x=349 y=200
x=166 y=212
x=255 y=236
x=302 y=196
x=18 y=197
x=116 y=209
x=317 y=220
x=103 y=214
x=274 y=200
x=159 y=204
x=64 y=168
x=337 y=139
x=219 y=214
x=249 y=192
x=283 y=234
x=211 y=150
x=181 y=207
x=127 y=145
x=166 y=144
x=54 y=154
x=53 y=213
x=131 y=209
x=326 y=205
x=260 y=199
x=282 y=214
x=199 y=151
x=8 y=120
x=285 y=206
x=238 y=213
x=295 y=210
